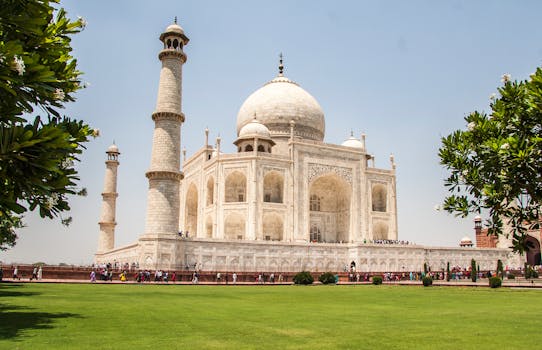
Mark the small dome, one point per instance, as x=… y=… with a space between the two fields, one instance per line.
x=254 y=129
x=353 y=142
x=113 y=149
x=465 y=241
x=174 y=28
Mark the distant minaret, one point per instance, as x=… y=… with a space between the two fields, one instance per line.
x=107 y=222
x=164 y=174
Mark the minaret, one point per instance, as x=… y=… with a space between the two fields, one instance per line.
x=107 y=223
x=164 y=174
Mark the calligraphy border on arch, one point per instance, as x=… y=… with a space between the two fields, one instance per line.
x=315 y=170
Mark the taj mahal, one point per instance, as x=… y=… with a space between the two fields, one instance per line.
x=285 y=201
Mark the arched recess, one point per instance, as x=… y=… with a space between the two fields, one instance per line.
x=209 y=227
x=191 y=210
x=380 y=230
x=273 y=227
x=379 y=198
x=273 y=187
x=332 y=213
x=236 y=187
x=210 y=191
x=234 y=226
x=533 y=255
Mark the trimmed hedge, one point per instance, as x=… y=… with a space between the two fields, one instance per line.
x=427 y=281
x=327 y=278
x=377 y=280
x=495 y=282
x=304 y=277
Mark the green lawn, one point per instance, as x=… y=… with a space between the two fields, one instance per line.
x=94 y=316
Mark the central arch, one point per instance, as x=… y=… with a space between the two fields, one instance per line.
x=329 y=209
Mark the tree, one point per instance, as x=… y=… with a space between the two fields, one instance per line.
x=495 y=164
x=473 y=270
x=37 y=154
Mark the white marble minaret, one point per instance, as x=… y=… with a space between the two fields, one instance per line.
x=106 y=240
x=164 y=175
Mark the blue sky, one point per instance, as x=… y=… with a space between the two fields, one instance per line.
x=403 y=72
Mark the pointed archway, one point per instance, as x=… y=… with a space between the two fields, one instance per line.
x=329 y=209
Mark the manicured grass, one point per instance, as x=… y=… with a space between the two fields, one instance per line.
x=71 y=316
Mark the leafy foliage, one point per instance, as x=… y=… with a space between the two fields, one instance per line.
x=495 y=282
x=327 y=278
x=495 y=164
x=427 y=281
x=303 y=277
x=500 y=268
x=37 y=157
x=473 y=270
x=377 y=280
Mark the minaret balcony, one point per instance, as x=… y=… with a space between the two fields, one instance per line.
x=172 y=53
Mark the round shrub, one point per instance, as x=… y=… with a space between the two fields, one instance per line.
x=427 y=281
x=495 y=282
x=327 y=278
x=511 y=276
x=377 y=280
x=304 y=277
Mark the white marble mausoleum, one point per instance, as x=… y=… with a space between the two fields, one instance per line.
x=285 y=201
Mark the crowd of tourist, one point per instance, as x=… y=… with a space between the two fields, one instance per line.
x=386 y=241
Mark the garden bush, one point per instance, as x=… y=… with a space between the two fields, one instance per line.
x=327 y=278
x=495 y=282
x=427 y=281
x=377 y=280
x=511 y=276
x=304 y=277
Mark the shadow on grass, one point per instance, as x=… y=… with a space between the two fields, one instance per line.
x=17 y=319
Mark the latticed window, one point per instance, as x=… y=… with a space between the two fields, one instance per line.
x=315 y=203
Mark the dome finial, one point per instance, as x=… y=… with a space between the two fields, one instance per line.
x=281 y=67
x=175 y=20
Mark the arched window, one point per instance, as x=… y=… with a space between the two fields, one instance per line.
x=315 y=203
x=209 y=227
x=169 y=43
x=379 y=198
x=234 y=226
x=236 y=187
x=273 y=187
x=315 y=234
x=175 y=44
x=248 y=148
x=261 y=148
x=380 y=230
x=210 y=191
x=191 y=210
x=273 y=227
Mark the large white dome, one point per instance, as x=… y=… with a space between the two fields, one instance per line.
x=277 y=103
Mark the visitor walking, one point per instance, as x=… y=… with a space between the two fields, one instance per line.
x=40 y=273
x=16 y=273
x=34 y=273
x=234 y=278
x=92 y=276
